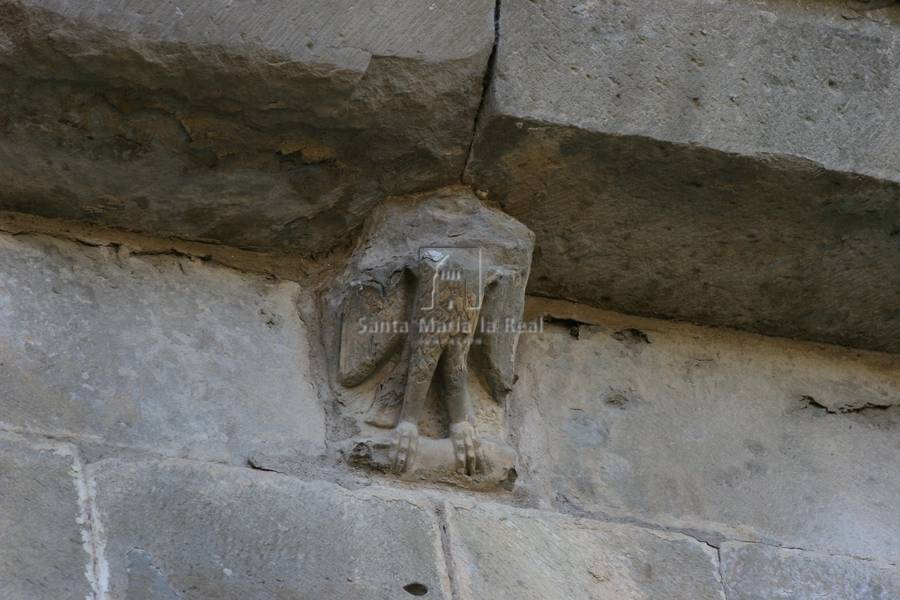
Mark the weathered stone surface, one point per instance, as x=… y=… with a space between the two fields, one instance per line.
x=162 y=353
x=723 y=433
x=194 y=531
x=756 y=572
x=430 y=303
x=435 y=461
x=782 y=77
x=259 y=124
x=43 y=532
x=732 y=163
x=503 y=553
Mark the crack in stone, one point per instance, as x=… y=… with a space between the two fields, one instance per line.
x=844 y=410
x=485 y=86
x=274 y=265
x=257 y=466
x=99 y=566
x=712 y=539
x=440 y=510
x=566 y=507
x=721 y=573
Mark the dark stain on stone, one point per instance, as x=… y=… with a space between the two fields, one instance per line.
x=810 y=402
x=617 y=400
x=573 y=325
x=632 y=336
x=415 y=589
x=271 y=319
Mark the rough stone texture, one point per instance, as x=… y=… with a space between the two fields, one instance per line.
x=732 y=163
x=503 y=553
x=430 y=302
x=716 y=432
x=275 y=124
x=782 y=77
x=186 y=531
x=755 y=572
x=435 y=462
x=41 y=544
x=160 y=353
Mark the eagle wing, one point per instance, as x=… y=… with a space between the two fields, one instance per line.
x=374 y=320
x=494 y=353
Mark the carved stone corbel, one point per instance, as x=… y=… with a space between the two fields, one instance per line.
x=428 y=316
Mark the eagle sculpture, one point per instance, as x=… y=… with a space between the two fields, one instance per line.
x=438 y=284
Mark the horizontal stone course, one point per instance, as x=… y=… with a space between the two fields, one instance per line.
x=757 y=572
x=723 y=434
x=729 y=163
x=505 y=553
x=161 y=353
x=776 y=77
x=176 y=529
x=191 y=531
x=264 y=124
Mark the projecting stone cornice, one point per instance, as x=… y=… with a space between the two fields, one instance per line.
x=267 y=124
x=729 y=163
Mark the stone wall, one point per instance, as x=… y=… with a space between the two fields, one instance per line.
x=185 y=186
x=167 y=433
x=731 y=163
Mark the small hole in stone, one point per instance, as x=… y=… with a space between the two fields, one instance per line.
x=416 y=589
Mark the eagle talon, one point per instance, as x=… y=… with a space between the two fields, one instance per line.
x=466 y=448
x=407 y=445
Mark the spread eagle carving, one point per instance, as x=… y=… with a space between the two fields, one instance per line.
x=436 y=286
